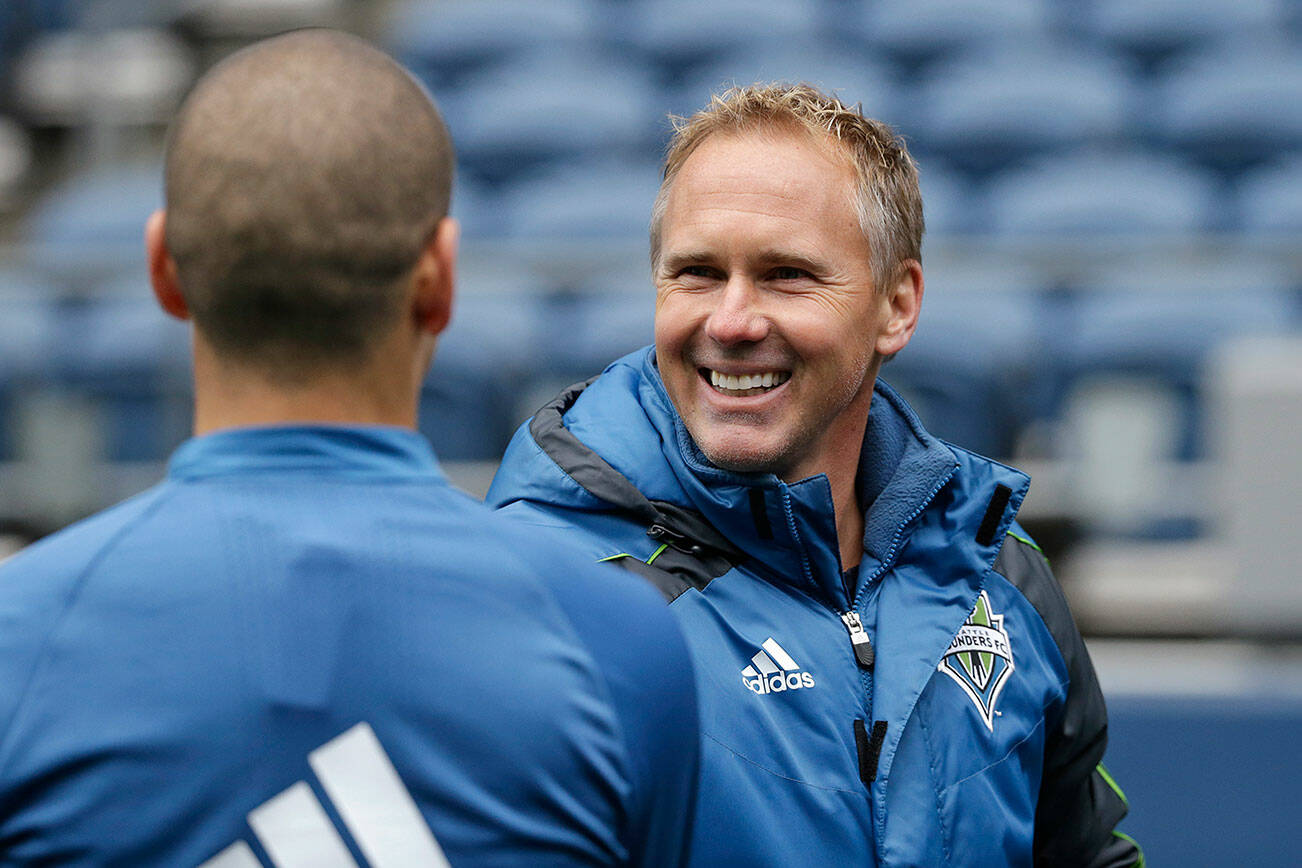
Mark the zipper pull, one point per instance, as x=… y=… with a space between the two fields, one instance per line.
x=863 y=647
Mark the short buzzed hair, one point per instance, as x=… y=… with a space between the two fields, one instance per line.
x=888 y=200
x=304 y=176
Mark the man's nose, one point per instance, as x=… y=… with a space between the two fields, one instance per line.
x=737 y=317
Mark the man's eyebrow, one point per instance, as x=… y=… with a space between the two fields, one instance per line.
x=768 y=258
x=680 y=258
x=792 y=259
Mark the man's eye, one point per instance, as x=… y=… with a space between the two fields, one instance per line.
x=789 y=273
x=696 y=271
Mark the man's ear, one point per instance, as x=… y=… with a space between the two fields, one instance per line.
x=900 y=308
x=435 y=278
x=162 y=268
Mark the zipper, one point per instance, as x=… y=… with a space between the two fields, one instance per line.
x=863 y=646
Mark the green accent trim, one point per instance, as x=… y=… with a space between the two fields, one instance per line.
x=1029 y=542
x=1107 y=778
x=1139 y=862
x=657 y=553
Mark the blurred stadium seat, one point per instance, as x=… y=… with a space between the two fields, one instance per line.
x=603 y=197
x=1103 y=192
x=1161 y=321
x=1233 y=103
x=849 y=74
x=132 y=363
x=923 y=29
x=965 y=369
x=995 y=106
x=1270 y=198
x=16 y=159
x=540 y=106
x=93 y=224
x=1154 y=28
x=678 y=33
x=483 y=364
x=947 y=199
x=122 y=77
x=441 y=41
x=28 y=334
x=1127 y=373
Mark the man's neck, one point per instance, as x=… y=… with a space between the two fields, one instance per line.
x=849 y=521
x=233 y=396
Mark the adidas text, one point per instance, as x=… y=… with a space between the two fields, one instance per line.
x=779 y=682
x=772 y=670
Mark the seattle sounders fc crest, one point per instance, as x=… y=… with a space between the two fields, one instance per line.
x=980 y=658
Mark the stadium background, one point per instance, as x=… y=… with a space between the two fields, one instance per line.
x=1113 y=193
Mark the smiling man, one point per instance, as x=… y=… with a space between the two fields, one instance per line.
x=889 y=673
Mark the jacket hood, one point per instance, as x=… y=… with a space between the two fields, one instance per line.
x=616 y=441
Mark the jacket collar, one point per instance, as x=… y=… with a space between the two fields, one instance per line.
x=369 y=451
x=631 y=446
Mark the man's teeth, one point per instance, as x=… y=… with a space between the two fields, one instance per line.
x=743 y=382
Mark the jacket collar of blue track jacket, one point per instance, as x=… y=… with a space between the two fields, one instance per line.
x=627 y=421
x=369 y=451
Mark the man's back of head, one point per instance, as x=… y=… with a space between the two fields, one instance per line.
x=304 y=176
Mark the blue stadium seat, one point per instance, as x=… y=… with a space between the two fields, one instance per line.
x=966 y=368
x=679 y=32
x=598 y=198
x=1102 y=193
x=542 y=106
x=110 y=78
x=133 y=362
x=1270 y=198
x=610 y=313
x=29 y=334
x=917 y=30
x=851 y=76
x=1233 y=103
x=1155 y=28
x=470 y=400
x=93 y=224
x=947 y=199
x=441 y=41
x=16 y=160
x=992 y=107
x=1159 y=319
x=477 y=206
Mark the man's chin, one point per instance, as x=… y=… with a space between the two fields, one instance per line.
x=748 y=457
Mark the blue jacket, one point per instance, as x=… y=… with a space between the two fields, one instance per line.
x=250 y=643
x=937 y=709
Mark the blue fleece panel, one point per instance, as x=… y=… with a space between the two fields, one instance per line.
x=167 y=666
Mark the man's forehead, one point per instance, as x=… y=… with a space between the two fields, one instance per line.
x=777 y=178
x=772 y=164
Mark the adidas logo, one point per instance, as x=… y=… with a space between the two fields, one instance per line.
x=365 y=789
x=773 y=671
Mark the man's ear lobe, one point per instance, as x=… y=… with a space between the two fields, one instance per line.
x=435 y=278
x=900 y=308
x=162 y=268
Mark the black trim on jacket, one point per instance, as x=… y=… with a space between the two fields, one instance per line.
x=695 y=553
x=1078 y=808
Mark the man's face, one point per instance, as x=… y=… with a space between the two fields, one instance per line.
x=766 y=318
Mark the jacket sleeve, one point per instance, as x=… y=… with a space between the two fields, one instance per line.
x=1079 y=805
x=648 y=674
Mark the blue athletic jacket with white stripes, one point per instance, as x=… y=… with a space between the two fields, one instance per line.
x=234 y=663
x=937 y=709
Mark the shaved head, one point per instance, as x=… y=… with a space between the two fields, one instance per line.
x=304 y=176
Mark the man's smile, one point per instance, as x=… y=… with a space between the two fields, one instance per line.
x=744 y=385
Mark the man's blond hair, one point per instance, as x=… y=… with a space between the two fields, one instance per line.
x=887 y=199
